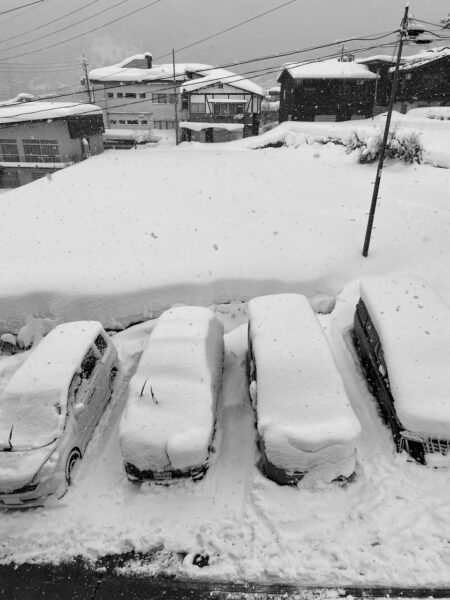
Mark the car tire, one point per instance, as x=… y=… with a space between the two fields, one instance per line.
x=74 y=457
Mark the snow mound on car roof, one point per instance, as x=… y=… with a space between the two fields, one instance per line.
x=413 y=324
x=303 y=414
x=34 y=402
x=169 y=419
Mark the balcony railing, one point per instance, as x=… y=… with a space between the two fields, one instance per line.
x=37 y=159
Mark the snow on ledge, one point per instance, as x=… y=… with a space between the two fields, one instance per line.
x=200 y=126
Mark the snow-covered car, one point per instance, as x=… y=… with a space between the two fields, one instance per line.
x=49 y=409
x=305 y=423
x=402 y=336
x=168 y=425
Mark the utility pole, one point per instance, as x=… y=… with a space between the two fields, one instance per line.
x=90 y=91
x=176 y=97
x=403 y=33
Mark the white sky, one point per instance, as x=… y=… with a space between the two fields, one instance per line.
x=176 y=23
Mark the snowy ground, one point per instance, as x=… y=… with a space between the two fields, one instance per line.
x=128 y=233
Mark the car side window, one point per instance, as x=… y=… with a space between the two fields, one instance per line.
x=88 y=364
x=74 y=389
x=101 y=344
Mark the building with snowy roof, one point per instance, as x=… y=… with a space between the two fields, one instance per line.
x=330 y=90
x=213 y=104
x=41 y=137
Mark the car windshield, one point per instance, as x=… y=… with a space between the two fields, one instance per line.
x=30 y=421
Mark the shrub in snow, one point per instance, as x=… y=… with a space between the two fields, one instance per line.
x=402 y=144
x=34 y=330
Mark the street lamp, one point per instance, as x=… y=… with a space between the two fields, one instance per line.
x=415 y=33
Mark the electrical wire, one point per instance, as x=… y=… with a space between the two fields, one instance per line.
x=21 y=34
x=75 y=37
x=235 y=63
x=261 y=72
x=100 y=12
x=4 y=12
x=210 y=37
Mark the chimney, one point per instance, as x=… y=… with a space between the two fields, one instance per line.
x=148 y=57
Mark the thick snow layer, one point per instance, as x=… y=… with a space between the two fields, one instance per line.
x=431 y=112
x=169 y=418
x=413 y=323
x=34 y=402
x=125 y=235
x=18 y=468
x=138 y=135
x=195 y=126
x=215 y=76
x=101 y=234
x=329 y=69
x=40 y=110
x=425 y=56
x=120 y=72
x=303 y=413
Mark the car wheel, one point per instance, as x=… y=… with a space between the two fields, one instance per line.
x=74 y=457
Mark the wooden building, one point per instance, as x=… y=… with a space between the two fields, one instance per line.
x=331 y=90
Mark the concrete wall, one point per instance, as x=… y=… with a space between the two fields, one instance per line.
x=70 y=150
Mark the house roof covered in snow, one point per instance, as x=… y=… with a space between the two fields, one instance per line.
x=215 y=76
x=204 y=74
x=329 y=69
x=43 y=111
x=424 y=57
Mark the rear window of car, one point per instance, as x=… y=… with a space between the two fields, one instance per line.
x=101 y=344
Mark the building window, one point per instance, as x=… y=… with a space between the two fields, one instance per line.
x=226 y=109
x=143 y=95
x=112 y=121
x=121 y=122
x=163 y=98
x=164 y=124
x=144 y=122
x=130 y=95
x=9 y=151
x=41 y=151
x=198 y=108
x=132 y=122
x=119 y=95
x=9 y=179
x=110 y=95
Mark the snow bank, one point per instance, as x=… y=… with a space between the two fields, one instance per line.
x=303 y=413
x=441 y=113
x=34 y=403
x=413 y=324
x=170 y=413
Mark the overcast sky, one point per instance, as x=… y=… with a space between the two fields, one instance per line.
x=176 y=23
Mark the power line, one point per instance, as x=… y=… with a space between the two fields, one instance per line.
x=263 y=71
x=100 y=12
x=209 y=37
x=235 y=63
x=133 y=12
x=13 y=37
x=4 y=12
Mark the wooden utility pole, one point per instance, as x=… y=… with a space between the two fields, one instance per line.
x=176 y=97
x=90 y=91
x=403 y=34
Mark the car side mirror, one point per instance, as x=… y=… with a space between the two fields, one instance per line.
x=78 y=408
